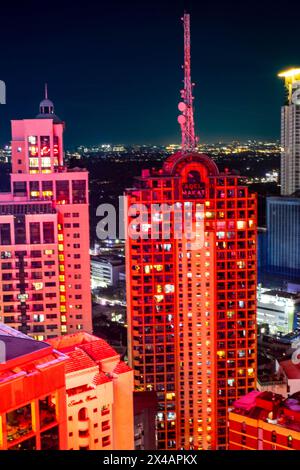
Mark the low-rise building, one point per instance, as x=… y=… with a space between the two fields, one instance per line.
x=99 y=390
x=265 y=421
x=105 y=271
x=277 y=309
x=32 y=394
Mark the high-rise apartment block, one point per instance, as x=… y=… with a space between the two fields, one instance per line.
x=192 y=303
x=44 y=234
x=290 y=133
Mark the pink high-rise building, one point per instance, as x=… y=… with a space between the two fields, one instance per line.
x=44 y=234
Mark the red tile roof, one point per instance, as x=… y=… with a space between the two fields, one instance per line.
x=101 y=378
x=98 y=350
x=121 y=368
x=78 y=360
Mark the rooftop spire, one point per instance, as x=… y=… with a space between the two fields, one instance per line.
x=46 y=91
x=186 y=119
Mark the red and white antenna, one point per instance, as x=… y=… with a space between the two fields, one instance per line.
x=186 y=119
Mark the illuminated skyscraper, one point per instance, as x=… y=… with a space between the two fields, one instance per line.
x=44 y=234
x=290 y=133
x=191 y=302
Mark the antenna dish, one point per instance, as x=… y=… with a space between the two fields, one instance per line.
x=181 y=119
x=182 y=106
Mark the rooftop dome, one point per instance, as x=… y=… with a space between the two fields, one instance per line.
x=47 y=109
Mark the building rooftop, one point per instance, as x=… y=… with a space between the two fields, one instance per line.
x=86 y=351
x=17 y=344
x=283 y=294
x=23 y=355
x=271 y=408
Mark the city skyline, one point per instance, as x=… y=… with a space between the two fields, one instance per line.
x=111 y=87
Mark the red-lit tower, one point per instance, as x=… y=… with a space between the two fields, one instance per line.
x=191 y=303
x=44 y=234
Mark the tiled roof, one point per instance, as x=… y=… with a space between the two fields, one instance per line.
x=98 y=350
x=78 y=360
x=100 y=379
x=121 y=368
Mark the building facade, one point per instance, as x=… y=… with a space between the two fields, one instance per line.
x=290 y=133
x=283 y=238
x=191 y=302
x=265 y=421
x=278 y=309
x=32 y=394
x=44 y=234
x=105 y=271
x=99 y=394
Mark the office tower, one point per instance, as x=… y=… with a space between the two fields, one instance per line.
x=32 y=394
x=283 y=238
x=191 y=301
x=99 y=394
x=44 y=234
x=265 y=421
x=290 y=133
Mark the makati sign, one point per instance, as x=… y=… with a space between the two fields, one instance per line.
x=193 y=190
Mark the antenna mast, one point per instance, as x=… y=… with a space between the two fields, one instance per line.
x=186 y=119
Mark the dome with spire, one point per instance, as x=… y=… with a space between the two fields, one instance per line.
x=47 y=109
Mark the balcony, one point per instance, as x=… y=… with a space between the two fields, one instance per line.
x=83 y=424
x=83 y=441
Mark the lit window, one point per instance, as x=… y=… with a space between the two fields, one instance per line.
x=241 y=224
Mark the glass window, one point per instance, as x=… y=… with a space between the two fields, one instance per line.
x=5 y=238
x=20 y=230
x=79 y=191
x=35 y=232
x=62 y=192
x=50 y=439
x=18 y=423
x=47 y=408
x=48 y=232
x=45 y=146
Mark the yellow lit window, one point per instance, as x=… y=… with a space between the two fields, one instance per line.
x=48 y=252
x=34 y=162
x=47 y=193
x=241 y=224
x=63 y=308
x=60 y=237
x=63 y=328
x=61 y=278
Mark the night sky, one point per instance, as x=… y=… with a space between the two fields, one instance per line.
x=114 y=68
